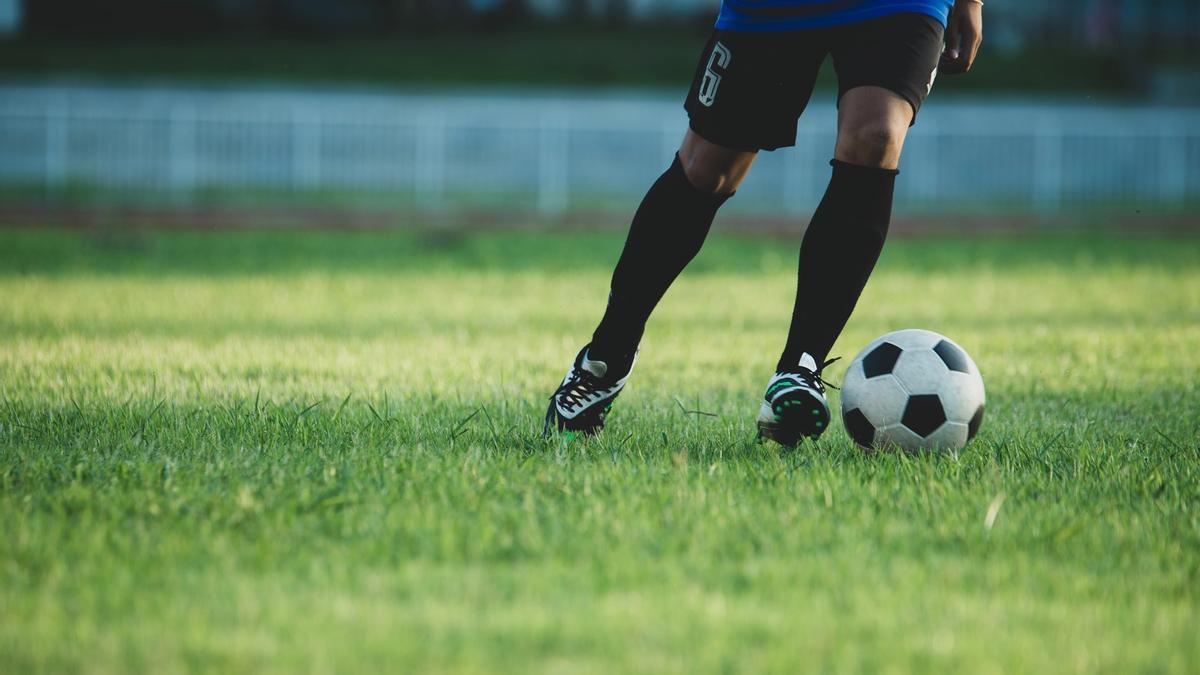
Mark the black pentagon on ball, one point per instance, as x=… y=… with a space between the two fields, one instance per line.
x=859 y=427
x=881 y=360
x=923 y=414
x=952 y=356
x=975 y=423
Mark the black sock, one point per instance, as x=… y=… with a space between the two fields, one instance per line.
x=837 y=255
x=667 y=232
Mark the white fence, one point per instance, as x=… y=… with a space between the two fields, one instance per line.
x=557 y=153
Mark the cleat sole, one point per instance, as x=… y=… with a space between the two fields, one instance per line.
x=792 y=424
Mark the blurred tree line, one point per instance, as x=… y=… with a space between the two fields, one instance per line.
x=174 y=18
x=1103 y=24
x=1124 y=47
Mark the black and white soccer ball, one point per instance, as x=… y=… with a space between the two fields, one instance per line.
x=915 y=390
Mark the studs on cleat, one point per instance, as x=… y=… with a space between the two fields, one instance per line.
x=783 y=419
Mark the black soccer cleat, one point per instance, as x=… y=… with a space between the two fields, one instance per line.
x=586 y=394
x=794 y=406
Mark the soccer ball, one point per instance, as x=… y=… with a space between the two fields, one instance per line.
x=913 y=389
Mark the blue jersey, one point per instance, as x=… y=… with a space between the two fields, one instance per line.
x=767 y=15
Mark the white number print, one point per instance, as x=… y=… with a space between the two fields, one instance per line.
x=719 y=58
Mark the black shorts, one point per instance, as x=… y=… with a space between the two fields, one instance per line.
x=750 y=87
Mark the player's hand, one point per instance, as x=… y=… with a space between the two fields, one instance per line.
x=964 y=32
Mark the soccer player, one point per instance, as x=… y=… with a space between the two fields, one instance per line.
x=754 y=79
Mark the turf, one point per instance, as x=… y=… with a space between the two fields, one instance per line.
x=314 y=452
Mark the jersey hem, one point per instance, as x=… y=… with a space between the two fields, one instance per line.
x=840 y=19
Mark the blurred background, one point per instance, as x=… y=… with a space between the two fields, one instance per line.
x=375 y=112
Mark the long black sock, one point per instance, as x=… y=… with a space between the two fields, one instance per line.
x=667 y=232
x=837 y=255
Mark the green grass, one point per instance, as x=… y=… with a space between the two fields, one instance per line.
x=312 y=452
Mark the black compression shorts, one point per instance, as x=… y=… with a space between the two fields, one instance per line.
x=750 y=87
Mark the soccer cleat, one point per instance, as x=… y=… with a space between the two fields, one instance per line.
x=585 y=396
x=794 y=406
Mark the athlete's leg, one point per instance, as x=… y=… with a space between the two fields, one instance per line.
x=847 y=231
x=747 y=92
x=713 y=168
x=839 y=250
x=872 y=125
x=885 y=69
x=667 y=231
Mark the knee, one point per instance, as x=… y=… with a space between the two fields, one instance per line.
x=711 y=168
x=709 y=179
x=876 y=144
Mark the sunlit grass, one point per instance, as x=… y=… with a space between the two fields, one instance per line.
x=249 y=452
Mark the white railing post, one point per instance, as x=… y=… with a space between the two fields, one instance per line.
x=55 y=160
x=306 y=148
x=429 y=170
x=1172 y=165
x=793 y=173
x=670 y=136
x=552 y=193
x=1048 y=184
x=922 y=174
x=181 y=161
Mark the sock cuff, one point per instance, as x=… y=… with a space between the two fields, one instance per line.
x=858 y=169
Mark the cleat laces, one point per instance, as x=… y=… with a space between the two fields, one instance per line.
x=577 y=389
x=821 y=382
x=814 y=377
x=574 y=392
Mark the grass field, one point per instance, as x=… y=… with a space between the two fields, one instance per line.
x=315 y=452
